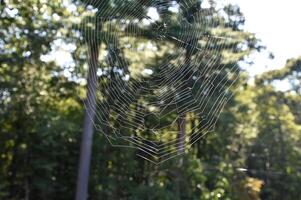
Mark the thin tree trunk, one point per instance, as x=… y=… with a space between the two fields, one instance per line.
x=181 y=120
x=87 y=137
x=181 y=134
x=282 y=157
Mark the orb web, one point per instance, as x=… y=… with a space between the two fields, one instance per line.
x=161 y=82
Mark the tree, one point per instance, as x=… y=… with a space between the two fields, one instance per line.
x=274 y=152
x=38 y=106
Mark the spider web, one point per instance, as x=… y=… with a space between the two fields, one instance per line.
x=145 y=104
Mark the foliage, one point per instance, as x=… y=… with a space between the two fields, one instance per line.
x=254 y=152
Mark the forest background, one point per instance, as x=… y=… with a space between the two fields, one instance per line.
x=253 y=153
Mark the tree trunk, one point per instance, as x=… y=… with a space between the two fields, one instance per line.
x=282 y=158
x=87 y=137
x=181 y=134
x=181 y=120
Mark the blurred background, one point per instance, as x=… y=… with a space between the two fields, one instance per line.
x=253 y=153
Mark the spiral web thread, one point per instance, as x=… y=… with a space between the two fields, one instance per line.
x=145 y=110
